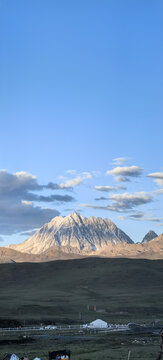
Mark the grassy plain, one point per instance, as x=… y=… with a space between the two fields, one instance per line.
x=115 y=290
x=99 y=347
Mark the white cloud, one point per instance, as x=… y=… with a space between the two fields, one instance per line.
x=19 y=181
x=17 y=217
x=137 y=216
x=154 y=219
x=121 y=179
x=24 y=176
x=159 y=182
x=145 y=217
x=71 y=183
x=122 y=173
x=76 y=181
x=158 y=177
x=27 y=203
x=17 y=196
x=119 y=161
x=105 y=188
x=101 y=198
x=124 y=202
x=158 y=192
x=91 y=206
x=127 y=201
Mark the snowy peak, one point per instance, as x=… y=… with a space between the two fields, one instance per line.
x=69 y=219
x=149 y=236
x=74 y=234
x=76 y=216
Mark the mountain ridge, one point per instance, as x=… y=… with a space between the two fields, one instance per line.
x=75 y=236
x=152 y=250
x=75 y=233
x=149 y=236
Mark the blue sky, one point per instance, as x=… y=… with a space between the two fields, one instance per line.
x=81 y=85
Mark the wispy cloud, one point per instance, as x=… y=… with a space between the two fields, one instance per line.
x=76 y=181
x=154 y=219
x=128 y=201
x=124 y=202
x=108 y=188
x=120 y=161
x=101 y=198
x=28 y=233
x=105 y=188
x=143 y=216
x=121 y=179
x=158 y=177
x=69 y=210
x=97 y=207
x=137 y=216
x=158 y=192
x=69 y=184
x=123 y=173
x=140 y=216
x=54 y=198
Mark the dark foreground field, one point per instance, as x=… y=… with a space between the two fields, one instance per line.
x=113 y=347
x=75 y=291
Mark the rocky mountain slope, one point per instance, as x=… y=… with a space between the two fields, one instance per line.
x=74 y=234
x=155 y=246
x=149 y=236
x=8 y=255
x=150 y=250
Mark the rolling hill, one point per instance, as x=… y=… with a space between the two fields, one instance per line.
x=112 y=289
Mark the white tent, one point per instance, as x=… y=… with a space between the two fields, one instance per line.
x=14 y=357
x=98 y=324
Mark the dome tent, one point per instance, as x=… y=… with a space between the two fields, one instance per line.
x=96 y=324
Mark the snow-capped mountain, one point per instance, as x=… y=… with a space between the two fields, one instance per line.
x=74 y=234
x=149 y=236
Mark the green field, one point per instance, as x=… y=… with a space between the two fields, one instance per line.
x=75 y=291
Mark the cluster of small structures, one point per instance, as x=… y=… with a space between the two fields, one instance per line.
x=101 y=325
x=96 y=325
x=53 y=355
